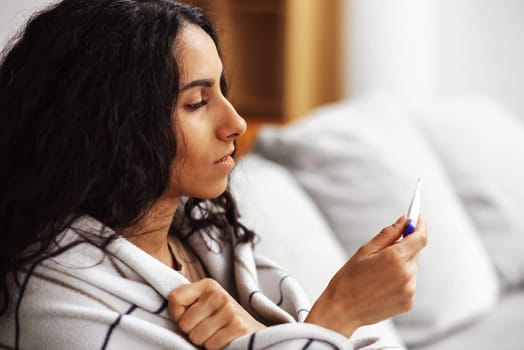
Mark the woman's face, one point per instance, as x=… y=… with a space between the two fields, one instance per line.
x=205 y=121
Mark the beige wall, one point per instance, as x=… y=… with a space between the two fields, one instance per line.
x=426 y=49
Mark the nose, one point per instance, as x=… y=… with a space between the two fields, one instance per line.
x=232 y=125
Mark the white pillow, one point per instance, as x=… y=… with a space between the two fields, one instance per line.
x=359 y=160
x=482 y=148
x=292 y=230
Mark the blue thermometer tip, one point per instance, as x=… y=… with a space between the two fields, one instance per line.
x=411 y=226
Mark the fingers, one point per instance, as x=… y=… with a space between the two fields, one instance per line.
x=182 y=297
x=207 y=328
x=209 y=315
x=386 y=237
x=416 y=241
x=207 y=332
x=408 y=247
x=206 y=307
x=378 y=282
x=221 y=338
x=198 y=309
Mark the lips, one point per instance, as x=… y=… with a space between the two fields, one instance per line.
x=225 y=163
x=224 y=158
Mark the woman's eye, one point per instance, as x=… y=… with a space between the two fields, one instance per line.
x=195 y=106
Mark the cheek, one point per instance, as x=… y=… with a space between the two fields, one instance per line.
x=186 y=168
x=174 y=187
x=180 y=163
x=192 y=172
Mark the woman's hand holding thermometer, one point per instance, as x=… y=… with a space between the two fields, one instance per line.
x=378 y=281
x=413 y=211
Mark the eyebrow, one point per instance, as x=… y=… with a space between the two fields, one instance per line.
x=199 y=82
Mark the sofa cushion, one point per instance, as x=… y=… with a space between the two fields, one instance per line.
x=482 y=147
x=293 y=232
x=500 y=329
x=291 y=229
x=359 y=160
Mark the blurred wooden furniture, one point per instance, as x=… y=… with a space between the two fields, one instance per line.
x=282 y=56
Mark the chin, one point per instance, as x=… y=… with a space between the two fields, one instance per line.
x=213 y=193
x=218 y=194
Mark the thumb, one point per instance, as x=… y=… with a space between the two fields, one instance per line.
x=387 y=236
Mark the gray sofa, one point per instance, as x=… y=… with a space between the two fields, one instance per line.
x=318 y=189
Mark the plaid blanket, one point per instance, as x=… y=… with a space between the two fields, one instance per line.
x=87 y=298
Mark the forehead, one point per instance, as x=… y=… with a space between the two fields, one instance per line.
x=196 y=55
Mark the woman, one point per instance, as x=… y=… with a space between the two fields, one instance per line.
x=119 y=231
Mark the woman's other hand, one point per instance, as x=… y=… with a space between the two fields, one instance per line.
x=209 y=315
x=378 y=282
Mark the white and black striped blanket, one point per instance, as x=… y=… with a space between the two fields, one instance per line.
x=88 y=299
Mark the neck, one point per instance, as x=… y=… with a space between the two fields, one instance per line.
x=150 y=234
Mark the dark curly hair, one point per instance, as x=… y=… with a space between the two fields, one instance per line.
x=87 y=94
